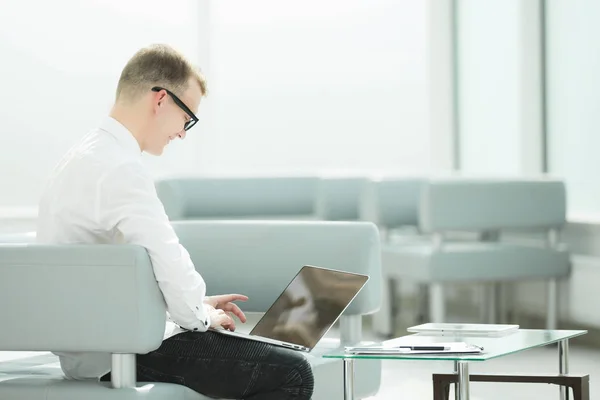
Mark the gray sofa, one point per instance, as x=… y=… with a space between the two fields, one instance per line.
x=104 y=298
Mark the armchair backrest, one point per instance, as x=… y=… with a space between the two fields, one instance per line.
x=492 y=205
x=338 y=199
x=391 y=202
x=259 y=259
x=237 y=198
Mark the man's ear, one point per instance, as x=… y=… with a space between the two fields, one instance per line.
x=159 y=100
x=160 y=97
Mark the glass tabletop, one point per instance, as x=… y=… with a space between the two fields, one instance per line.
x=493 y=346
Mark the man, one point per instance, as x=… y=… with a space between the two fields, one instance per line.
x=101 y=193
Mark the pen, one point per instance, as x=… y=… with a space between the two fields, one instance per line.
x=426 y=348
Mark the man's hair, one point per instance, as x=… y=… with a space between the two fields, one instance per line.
x=157 y=65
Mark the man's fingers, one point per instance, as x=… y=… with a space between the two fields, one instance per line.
x=233 y=308
x=238 y=297
x=218 y=318
x=228 y=322
x=227 y=298
x=232 y=327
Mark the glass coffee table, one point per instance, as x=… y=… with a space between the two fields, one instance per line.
x=493 y=347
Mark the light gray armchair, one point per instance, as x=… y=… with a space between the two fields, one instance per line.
x=104 y=298
x=487 y=208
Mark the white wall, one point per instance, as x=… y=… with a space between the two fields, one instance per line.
x=60 y=62
x=302 y=87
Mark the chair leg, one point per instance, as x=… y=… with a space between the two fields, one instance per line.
x=489 y=303
x=503 y=303
x=437 y=310
x=394 y=304
x=383 y=319
x=423 y=302
x=552 y=310
x=483 y=300
x=496 y=302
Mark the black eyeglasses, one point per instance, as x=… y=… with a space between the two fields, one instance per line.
x=193 y=119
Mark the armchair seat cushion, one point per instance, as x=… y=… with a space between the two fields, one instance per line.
x=473 y=261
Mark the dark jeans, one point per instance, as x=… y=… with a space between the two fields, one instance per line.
x=227 y=367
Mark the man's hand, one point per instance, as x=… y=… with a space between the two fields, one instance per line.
x=220 y=319
x=225 y=303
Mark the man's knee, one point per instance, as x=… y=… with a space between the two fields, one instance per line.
x=303 y=381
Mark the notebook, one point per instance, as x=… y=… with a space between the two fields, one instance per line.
x=449 y=329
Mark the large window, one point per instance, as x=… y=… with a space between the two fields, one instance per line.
x=60 y=64
x=488 y=44
x=573 y=86
x=317 y=85
x=298 y=87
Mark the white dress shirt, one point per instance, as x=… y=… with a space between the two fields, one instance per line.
x=101 y=193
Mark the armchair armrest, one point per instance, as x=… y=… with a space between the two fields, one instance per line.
x=91 y=298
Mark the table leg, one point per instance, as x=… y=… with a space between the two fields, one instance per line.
x=456 y=384
x=563 y=365
x=348 y=379
x=463 y=381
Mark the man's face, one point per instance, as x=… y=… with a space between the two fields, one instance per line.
x=169 y=119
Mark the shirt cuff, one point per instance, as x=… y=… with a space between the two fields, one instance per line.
x=206 y=316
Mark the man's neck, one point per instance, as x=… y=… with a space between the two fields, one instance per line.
x=127 y=117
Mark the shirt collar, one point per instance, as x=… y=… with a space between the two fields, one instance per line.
x=124 y=137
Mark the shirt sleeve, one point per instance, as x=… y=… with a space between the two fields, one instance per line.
x=128 y=203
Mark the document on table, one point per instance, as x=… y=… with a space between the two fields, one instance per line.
x=407 y=348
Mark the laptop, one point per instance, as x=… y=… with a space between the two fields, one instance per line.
x=305 y=311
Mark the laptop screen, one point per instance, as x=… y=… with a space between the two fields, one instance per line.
x=309 y=306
